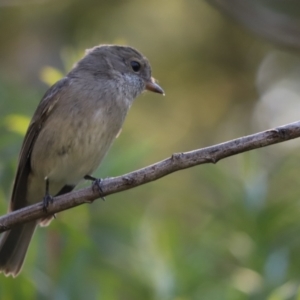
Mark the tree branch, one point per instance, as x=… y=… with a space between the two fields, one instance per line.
x=177 y=161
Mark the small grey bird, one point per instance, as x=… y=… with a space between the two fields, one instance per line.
x=71 y=130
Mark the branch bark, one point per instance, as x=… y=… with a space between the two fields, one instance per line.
x=176 y=162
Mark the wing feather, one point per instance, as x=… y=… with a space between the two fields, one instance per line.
x=48 y=102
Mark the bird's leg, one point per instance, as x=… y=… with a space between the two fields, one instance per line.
x=47 y=198
x=97 y=183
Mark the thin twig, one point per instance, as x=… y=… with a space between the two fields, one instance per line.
x=176 y=162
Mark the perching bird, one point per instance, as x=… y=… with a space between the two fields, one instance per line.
x=71 y=130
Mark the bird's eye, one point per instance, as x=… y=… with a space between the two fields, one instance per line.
x=136 y=66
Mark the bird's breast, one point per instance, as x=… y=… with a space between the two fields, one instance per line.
x=73 y=145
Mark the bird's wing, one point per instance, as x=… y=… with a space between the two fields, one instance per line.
x=48 y=102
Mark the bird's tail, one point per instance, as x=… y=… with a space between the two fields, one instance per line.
x=13 y=247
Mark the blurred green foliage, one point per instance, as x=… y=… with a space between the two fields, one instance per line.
x=225 y=231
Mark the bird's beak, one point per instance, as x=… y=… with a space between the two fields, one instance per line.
x=154 y=87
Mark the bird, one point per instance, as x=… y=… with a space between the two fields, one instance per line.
x=72 y=129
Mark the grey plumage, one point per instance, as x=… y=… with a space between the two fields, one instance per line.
x=71 y=131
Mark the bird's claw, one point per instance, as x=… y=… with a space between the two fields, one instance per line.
x=46 y=201
x=96 y=183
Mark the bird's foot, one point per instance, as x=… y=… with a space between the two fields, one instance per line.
x=96 y=183
x=46 y=201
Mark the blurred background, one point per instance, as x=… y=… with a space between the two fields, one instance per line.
x=225 y=231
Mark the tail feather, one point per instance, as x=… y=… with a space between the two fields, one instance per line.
x=13 y=247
